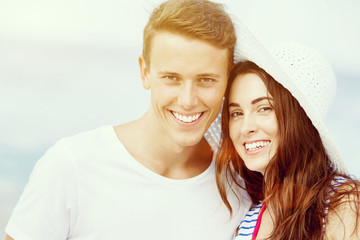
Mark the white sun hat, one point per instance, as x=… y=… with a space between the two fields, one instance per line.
x=304 y=72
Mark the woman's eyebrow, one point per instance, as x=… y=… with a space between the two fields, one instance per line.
x=260 y=99
x=234 y=105
x=252 y=102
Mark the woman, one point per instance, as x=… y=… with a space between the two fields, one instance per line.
x=274 y=138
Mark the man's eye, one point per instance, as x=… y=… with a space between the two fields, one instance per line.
x=171 y=78
x=207 y=80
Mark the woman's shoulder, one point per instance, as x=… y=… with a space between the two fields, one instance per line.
x=343 y=220
x=338 y=180
x=247 y=226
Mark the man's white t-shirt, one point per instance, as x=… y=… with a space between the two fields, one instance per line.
x=88 y=187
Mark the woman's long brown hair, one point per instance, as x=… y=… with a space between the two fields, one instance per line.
x=298 y=178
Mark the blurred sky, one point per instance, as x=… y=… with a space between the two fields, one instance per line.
x=71 y=65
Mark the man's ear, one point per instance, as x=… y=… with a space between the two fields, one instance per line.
x=144 y=73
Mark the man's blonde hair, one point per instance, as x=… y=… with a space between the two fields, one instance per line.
x=199 y=19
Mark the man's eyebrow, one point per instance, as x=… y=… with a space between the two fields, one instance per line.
x=213 y=75
x=168 y=73
x=252 y=102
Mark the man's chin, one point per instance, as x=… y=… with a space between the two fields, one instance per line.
x=189 y=141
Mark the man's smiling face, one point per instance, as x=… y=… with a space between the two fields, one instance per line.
x=187 y=78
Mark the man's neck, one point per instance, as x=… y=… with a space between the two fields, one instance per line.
x=186 y=163
x=162 y=156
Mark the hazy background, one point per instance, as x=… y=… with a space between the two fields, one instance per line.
x=71 y=65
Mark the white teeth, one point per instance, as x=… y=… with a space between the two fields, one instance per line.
x=256 y=145
x=187 y=119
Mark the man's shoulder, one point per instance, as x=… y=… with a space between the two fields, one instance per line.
x=129 y=133
x=86 y=148
x=85 y=139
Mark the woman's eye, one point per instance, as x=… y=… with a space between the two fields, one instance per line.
x=265 y=109
x=235 y=114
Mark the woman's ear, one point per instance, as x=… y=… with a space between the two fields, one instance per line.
x=144 y=73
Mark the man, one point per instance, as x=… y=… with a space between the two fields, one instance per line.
x=152 y=178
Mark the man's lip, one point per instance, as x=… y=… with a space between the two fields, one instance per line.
x=187 y=118
x=187 y=113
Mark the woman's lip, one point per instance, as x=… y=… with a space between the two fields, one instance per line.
x=254 y=152
x=258 y=149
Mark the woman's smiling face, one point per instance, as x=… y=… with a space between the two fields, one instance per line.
x=253 y=124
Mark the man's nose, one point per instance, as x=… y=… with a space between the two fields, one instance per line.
x=188 y=95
